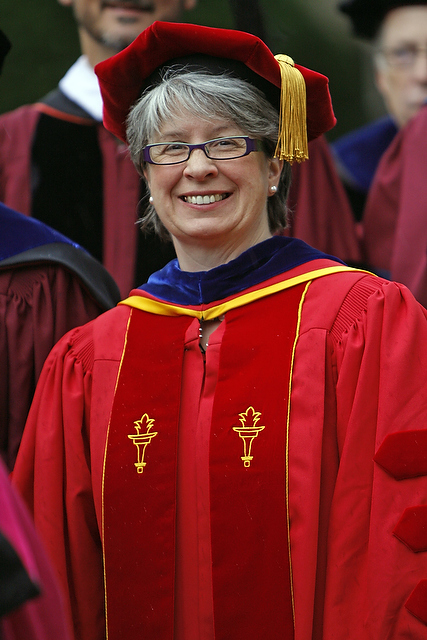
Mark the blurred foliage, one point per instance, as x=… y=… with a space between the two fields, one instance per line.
x=44 y=44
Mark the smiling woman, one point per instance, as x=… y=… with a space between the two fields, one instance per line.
x=239 y=168
x=221 y=456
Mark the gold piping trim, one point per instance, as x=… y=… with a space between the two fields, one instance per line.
x=165 y=309
x=103 y=479
x=288 y=420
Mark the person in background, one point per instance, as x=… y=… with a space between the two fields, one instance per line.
x=58 y=163
x=397 y=31
x=94 y=183
x=234 y=450
x=396 y=240
x=48 y=285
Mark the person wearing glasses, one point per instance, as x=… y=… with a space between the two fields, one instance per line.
x=232 y=452
x=397 y=33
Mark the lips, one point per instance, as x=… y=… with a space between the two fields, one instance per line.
x=205 y=199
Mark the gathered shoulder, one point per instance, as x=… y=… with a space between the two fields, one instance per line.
x=341 y=301
x=100 y=339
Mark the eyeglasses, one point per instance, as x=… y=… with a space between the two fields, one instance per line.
x=403 y=57
x=217 y=149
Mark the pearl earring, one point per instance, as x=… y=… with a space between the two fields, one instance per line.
x=151 y=199
x=273 y=188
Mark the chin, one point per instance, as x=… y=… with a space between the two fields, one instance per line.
x=120 y=39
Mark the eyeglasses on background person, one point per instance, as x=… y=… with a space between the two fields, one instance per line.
x=404 y=56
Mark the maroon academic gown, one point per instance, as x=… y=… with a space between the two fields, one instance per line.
x=395 y=219
x=38 y=305
x=320 y=213
x=121 y=185
x=355 y=491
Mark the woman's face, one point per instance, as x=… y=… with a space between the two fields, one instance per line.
x=232 y=224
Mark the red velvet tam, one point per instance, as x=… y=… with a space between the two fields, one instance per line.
x=125 y=76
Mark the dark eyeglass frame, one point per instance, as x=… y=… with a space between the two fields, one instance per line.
x=251 y=145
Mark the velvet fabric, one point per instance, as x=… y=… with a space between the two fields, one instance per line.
x=265 y=260
x=412 y=528
x=122 y=77
x=18 y=237
x=358 y=153
x=128 y=255
x=404 y=454
x=65 y=148
x=416 y=603
x=140 y=506
x=48 y=285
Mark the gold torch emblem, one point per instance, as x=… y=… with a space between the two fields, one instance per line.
x=142 y=437
x=248 y=432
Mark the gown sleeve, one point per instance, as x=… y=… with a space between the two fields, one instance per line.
x=53 y=473
x=38 y=305
x=377 y=535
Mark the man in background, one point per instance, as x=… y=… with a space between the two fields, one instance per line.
x=59 y=164
x=397 y=30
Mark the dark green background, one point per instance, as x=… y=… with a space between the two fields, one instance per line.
x=45 y=44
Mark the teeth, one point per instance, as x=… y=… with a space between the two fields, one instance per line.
x=205 y=199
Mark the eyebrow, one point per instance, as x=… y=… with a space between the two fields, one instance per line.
x=179 y=135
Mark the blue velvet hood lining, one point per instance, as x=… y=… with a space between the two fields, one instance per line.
x=259 y=263
x=20 y=233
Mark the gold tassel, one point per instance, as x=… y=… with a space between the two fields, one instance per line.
x=292 y=143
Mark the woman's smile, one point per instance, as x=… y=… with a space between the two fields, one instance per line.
x=204 y=199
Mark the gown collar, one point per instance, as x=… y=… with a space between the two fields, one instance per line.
x=259 y=263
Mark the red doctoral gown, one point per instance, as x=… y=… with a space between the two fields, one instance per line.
x=329 y=364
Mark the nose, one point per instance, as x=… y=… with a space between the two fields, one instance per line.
x=420 y=65
x=199 y=166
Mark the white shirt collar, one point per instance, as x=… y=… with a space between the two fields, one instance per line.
x=80 y=84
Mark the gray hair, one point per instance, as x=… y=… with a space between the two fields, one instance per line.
x=207 y=96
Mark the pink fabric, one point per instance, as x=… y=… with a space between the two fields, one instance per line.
x=42 y=618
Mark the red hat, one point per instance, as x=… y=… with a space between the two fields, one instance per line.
x=303 y=95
